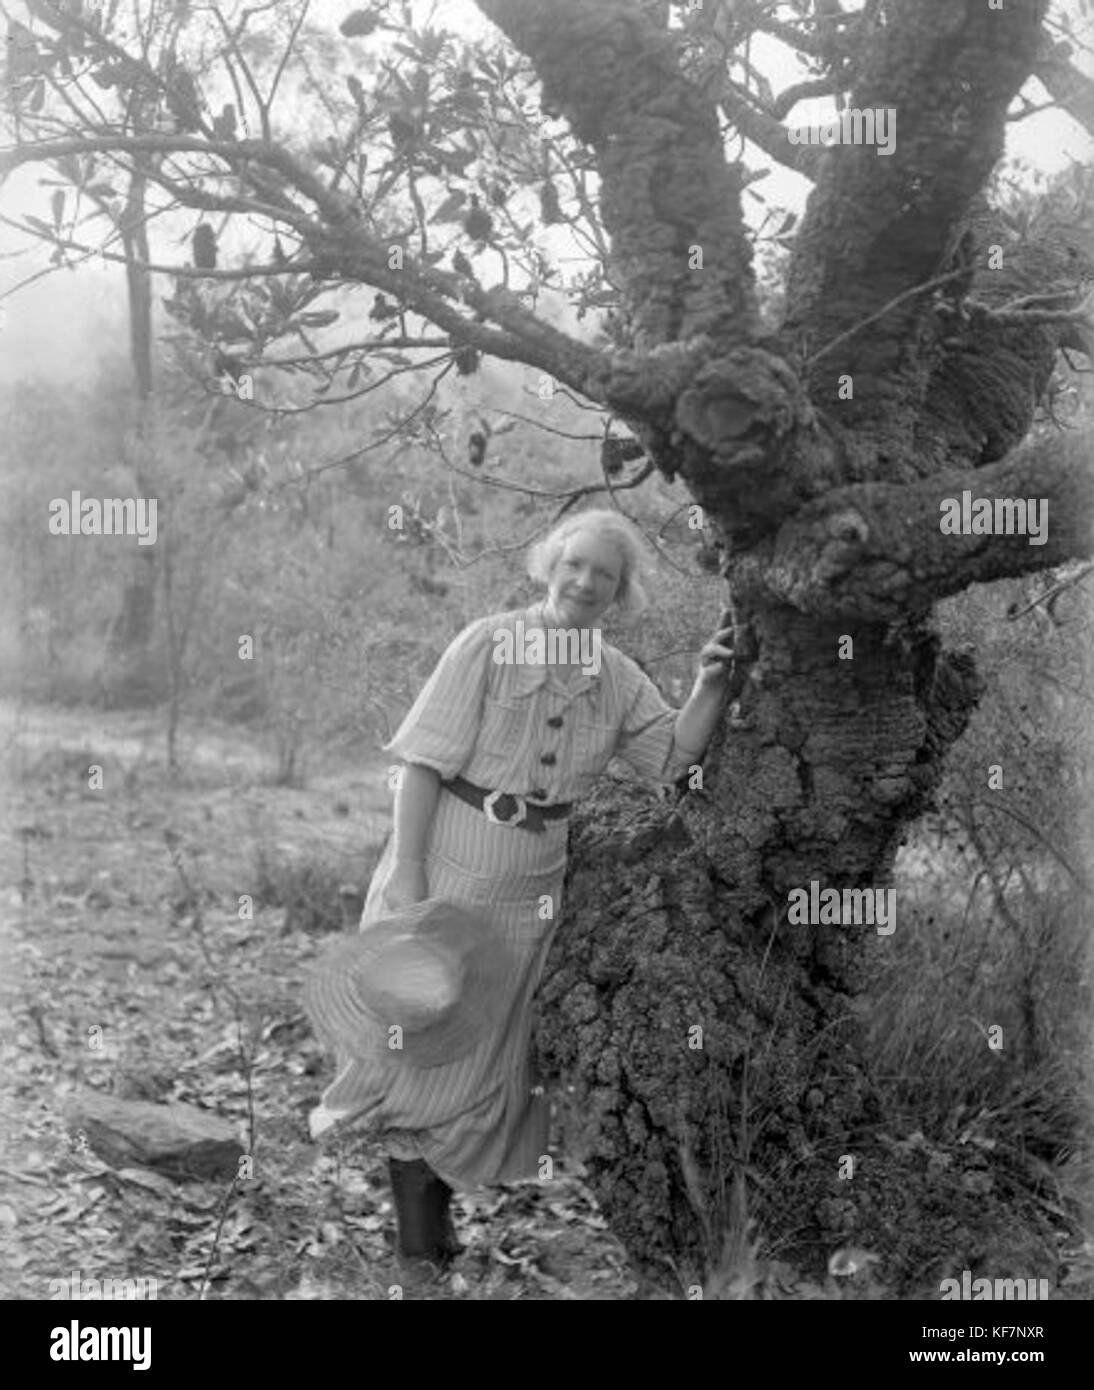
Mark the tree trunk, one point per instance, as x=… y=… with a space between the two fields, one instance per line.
x=134 y=625
x=713 y=1048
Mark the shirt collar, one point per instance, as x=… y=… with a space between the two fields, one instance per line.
x=526 y=679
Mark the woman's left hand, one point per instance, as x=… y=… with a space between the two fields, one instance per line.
x=715 y=659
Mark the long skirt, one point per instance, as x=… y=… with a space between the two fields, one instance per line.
x=481 y=1118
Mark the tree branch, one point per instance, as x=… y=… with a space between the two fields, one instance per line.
x=876 y=225
x=342 y=248
x=875 y=551
x=1066 y=85
x=665 y=185
x=767 y=133
x=803 y=91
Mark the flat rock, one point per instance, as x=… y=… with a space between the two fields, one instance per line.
x=178 y=1140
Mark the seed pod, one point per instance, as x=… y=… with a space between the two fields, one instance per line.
x=205 y=247
x=548 y=204
x=478 y=224
x=476 y=448
x=224 y=125
x=183 y=101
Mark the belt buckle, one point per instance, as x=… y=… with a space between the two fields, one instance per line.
x=519 y=816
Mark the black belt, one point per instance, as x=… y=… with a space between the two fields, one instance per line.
x=506 y=808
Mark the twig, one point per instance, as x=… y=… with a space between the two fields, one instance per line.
x=48 y=1045
x=1079 y=878
x=550 y=429
x=25 y=1177
x=384 y=439
x=299 y=20
x=216 y=1238
x=1052 y=593
x=934 y=284
x=587 y=491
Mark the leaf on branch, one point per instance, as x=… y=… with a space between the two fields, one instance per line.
x=70 y=168
x=789 y=222
x=24 y=60
x=320 y=318
x=233 y=327
x=281 y=298
x=226 y=365
x=57 y=206
x=359 y=24
x=456 y=161
x=450 y=208
x=38 y=225
x=549 y=207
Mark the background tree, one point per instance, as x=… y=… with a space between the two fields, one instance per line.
x=919 y=331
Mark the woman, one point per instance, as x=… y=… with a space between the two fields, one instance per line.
x=504 y=736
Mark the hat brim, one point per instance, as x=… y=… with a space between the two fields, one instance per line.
x=347 y=1022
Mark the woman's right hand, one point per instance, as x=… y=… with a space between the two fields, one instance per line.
x=407 y=885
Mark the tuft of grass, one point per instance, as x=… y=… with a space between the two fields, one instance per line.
x=313 y=893
x=957 y=972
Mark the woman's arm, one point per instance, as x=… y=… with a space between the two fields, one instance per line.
x=415 y=806
x=698 y=716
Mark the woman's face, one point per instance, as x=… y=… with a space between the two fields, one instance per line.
x=585 y=579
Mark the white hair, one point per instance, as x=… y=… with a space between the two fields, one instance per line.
x=610 y=526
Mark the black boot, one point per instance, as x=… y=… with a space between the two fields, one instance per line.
x=421 y=1226
x=441 y=1195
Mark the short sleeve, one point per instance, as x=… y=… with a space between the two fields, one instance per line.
x=443 y=723
x=647 y=734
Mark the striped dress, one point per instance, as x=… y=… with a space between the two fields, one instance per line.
x=517 y=728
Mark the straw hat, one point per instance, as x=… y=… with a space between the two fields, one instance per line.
x=423 y=985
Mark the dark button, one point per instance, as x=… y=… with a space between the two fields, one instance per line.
x=548 y=759
x=555 y=721
x=537 y=795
